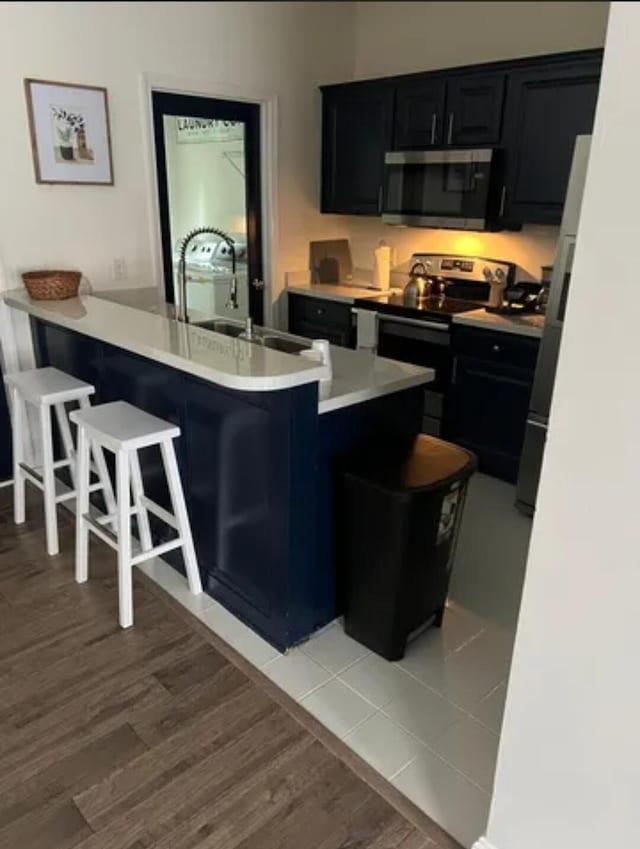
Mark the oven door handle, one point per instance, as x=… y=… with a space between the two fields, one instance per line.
x=413 y=322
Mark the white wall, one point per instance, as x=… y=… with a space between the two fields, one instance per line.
x=531 y=248
x=397 y=37
x=272 y=48
x=569 y=762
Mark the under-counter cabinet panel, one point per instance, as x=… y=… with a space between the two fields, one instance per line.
x=489 y=397
x=357 y=126
x=315 y=318
x=546 y=109
x=5 y=437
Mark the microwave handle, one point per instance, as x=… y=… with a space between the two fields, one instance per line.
x=560 y=281
x=434 y=119
x=450 y=131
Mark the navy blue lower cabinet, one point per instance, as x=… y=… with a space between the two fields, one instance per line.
x=5 y=436
x=258 y=470
x=248 y=462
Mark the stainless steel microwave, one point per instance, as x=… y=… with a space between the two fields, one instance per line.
x=453 y=189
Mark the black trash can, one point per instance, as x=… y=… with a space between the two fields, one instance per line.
x=398 y=525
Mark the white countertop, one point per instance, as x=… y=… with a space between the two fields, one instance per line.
x=361 y=376
x=334 y=291
x=524 y=325
x=234 y=363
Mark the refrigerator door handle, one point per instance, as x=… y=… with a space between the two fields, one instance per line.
x=560 y=281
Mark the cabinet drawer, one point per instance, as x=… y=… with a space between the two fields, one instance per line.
x=506 y=348
x=319 y=311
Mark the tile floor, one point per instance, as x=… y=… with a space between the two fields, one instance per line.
x=430 y=722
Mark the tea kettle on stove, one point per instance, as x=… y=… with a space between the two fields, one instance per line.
x=419 y=286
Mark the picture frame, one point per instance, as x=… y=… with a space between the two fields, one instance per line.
x=70 y=133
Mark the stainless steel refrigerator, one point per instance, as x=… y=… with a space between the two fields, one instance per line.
x=536 y=431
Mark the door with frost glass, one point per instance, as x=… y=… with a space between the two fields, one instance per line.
x=208 y=168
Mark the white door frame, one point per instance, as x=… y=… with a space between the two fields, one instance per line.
x=268 y=166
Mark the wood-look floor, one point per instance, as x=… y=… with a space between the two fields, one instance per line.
x=150 y=737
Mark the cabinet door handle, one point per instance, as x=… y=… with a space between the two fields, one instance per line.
x=496 y=349
x=434 y=119
x=380 y=200
x=503 y=198
x=450 y=131
x=257 y=284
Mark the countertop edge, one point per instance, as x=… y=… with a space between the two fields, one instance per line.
x=343 y=297
x=508 y=326
x=229 y=381
x=359 y=396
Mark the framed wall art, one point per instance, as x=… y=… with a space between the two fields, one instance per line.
x=69 y=126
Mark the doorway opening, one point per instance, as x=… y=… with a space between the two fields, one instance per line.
x=208 y=154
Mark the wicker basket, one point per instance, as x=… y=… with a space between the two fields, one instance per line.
x=52 y=285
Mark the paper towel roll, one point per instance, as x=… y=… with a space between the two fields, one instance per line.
x=381 y=267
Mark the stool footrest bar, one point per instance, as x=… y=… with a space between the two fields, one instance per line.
x=160 y=512
x=157 y=551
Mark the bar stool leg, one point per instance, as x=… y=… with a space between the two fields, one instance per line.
x=48 y=476
x=125 y=569
x=182 y=517
x=67 y=441
x=82 y=507
x=17 y=427
x=142 y=515
x=102 y=471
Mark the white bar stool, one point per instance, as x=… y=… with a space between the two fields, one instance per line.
x=47 y=389
x=125 y=429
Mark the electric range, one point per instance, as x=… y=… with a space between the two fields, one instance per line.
x=419 y=331
x=459 y=284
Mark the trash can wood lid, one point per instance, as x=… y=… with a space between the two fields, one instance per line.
x=430 y=463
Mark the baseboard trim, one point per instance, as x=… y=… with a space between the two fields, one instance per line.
x=483 y=843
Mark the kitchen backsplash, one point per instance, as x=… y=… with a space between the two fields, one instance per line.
x=531 y=248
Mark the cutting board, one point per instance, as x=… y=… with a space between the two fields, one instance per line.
x=330 y=261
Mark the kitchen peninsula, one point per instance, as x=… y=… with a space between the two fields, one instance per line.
x=259 y=442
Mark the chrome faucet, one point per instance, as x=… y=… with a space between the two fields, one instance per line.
x=182 y=270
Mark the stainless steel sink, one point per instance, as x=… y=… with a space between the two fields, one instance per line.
x=228 y=328
x=268 y=340
x=278 y=343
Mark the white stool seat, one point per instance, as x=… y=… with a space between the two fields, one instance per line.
x=124 y=429
x=48 y=390
x=49 y=385
x=121 y=425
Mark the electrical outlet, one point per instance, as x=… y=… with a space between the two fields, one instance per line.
x=118 y=269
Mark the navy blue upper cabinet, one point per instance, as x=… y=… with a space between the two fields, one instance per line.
x=474 y=109
x=532 y=108
x=437 y=111
x=420 y=113
x=357 y=127
x=546 y=108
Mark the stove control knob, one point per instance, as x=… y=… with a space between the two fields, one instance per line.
x=487 y=274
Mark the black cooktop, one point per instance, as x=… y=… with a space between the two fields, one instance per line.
x=435 y=306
